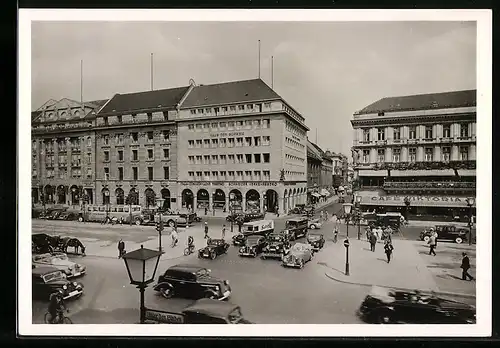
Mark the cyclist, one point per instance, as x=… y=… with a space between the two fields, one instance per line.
x=190 y=243
x=56 y=307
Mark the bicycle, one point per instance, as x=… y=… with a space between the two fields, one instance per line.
x=189 y=250
x=61 y=318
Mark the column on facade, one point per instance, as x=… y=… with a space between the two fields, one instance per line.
x=420 y=154
x=420 y=131
x=244 y=201
x=359 y=134
x=373 y=155
x=211 y=200
x=405 y=132
x=437 y=153
x=227 y=202
x=473 y=129
x=55 y=151
x=388 y=154
x=404 y=154
x=195 y=203
x=454 y=153
x=439 y=131
x=373 y=134
x=390 y=133
x=472 y=152
x=68 y=167
x=454 y=130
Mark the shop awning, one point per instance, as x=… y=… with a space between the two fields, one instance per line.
x=371 y=172
x=325 y=192
x=315 y=194
x=444 y=172
x=416 y=201
x=467 y=172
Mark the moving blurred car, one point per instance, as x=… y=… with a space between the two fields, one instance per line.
x=314 y=224
x=46 y=280
x=253 y=246
x=299 y=254
x=214 y=248
x=387 y=306
x=316 y=240
x=61 y=262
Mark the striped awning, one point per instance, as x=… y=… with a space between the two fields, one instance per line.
x=416 y=201
x=371 y=172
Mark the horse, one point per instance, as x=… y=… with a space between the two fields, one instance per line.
x=73 y=242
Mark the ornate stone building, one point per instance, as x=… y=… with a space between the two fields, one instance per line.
x=63 y=152
x=422 y=147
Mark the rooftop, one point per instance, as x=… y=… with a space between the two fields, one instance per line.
x=455 y=99
x=159 y=99
x=229 y=92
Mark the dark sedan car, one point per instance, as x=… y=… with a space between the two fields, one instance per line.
x=239 y=240
x=214 y=248
x=446 y=232
x=387 y=306
x=253 y=246
x=316 y=240
x=69 y=216
x=47 y=280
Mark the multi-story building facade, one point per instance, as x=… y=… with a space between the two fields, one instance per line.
x=240 y=141
x=319 y=172
x=314 y=161
x=136 y=137
x=63 y=152
x=422 y=147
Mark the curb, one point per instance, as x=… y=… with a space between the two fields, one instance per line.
x=403 y=289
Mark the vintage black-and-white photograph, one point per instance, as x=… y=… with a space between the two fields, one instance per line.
x=255 y=172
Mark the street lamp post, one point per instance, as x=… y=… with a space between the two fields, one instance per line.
x=346 y=244
x=213 y=203
x=231 y=201
x=407 y=205
x=159 y=228
x=347 y=212
x=141 y=268
x=358 y=213
x=470 y=203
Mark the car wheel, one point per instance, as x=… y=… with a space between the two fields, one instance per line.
x=138 y=222
x=167 y=292
x=458 y=240
x=312 y=227
x=80 y=219
x=301 y=264
x=171 y=223
x=213 y=255
x=426 y=239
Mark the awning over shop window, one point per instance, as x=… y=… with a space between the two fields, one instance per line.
x=444 y=172
x=371 y=172
x=317 y=195
x=416 y=201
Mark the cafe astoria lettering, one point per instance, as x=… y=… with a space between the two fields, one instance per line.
x=419 y=198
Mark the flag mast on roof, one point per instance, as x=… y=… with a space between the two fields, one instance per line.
x=151 y=66
x=81 y=82
x=259 y=59
x=272 y=72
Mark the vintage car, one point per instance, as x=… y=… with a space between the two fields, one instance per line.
x=69 y=216
x=308 y=211
x=191 y=281
x=299 y=254
x=253 y=246
x=278 y=244
x=239 y=239
x=297 y=227
x=446 y=232
x=202 y=311
x=43 y=243
x=54 y=214
x=214 y=248
x=46 y=280
x=387 y=306
x=245 y=216
x=316 y=240
x=260 y=228
x=314 y=224
x=61 y=262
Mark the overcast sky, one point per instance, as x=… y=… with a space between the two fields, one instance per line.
x=326 y=71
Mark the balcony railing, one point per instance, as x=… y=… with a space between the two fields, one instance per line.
x=430 y=185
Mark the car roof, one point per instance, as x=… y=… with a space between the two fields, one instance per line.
x=211 y=307
x=43 y=270
x=186 y=268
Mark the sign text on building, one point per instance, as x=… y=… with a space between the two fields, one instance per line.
x=227 y=134
x=418 y=198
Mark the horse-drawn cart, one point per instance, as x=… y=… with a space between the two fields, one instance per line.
x=43 y=243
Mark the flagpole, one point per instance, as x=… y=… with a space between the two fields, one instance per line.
x=81 y=81
x=151 y=71
x=272 y=72
x=259 y=59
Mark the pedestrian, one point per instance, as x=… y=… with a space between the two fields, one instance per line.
x=465 y=266
x=223 y=231
x=432 y=244
x=277 y=212
x=373 y=241
x=206 y=230
x=388 y=248
x=335 y=234
x=321 y=216
x=121 y=248
x=368 y=233
x=174 y=237
x=326 y=215
x=206 y=210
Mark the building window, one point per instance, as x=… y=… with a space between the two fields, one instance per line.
x=190 y=144
x=396 y=155
x=250 y=106
x=206 y=175
x=256 y=174
x=248 y=141
x=166 y=173
x=412 y=154
x=120 y=155
x=215 y=175
x=366 y=156
x=397 y=133
x=428 y=154
x=119 y=139
x=241 y=107
x=106 y=139
x=230 y=125
x=120 y=173
x=266 y=157
x=239 y=174
x=191 y=159
x=256 y=141
x=206 y=159
x=239 y=159
x=248 y=174
x=199 y=175
x=105 y=121
x=224 y=108
x=134 y=173
x=199 y=143
x=223 y=175
x=222 y=142
x=266 y=174
x=231 y=175
x=257 y=124
x=150 y=137
x=193 y=112
x=446 y=131
x=215 y=125
x=445 y=153
x=199 y=126
x=222 y=125
x=135 y=137
x=150 y=117
x=266 y=140
x=239 y=124
x=106 y=173
x=206 y=143
x=200 y=111
x=230 y=158
x=89 y=158
x=89 y=173
x=134 y=155
x=464 y=130
x=428 y=132
x=412 y=132
x=150 y=173
x=150 y=154
x=191 y=127
x=248 y=158
x=89 y=141
x=222 y=159
x=215 y=143
x=166 y=153
x=464 y=153
x=214 y=159
x=206 y=126
x=248 y=124
x=191 y=175
x=266 y=123
x=380 y=155
x=366 y=135
x=257 y=157
x=381 y=133
x=239 y=142
x=106 y=156
x=230 y=142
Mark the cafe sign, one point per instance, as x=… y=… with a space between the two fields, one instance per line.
x=163 y=317
x=227 y=134
x=430 y=201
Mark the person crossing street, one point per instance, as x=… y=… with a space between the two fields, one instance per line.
x=465 y=266
x=388 y=248
x=206 y=230
x=223 y=231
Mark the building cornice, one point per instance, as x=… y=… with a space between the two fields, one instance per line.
x=416 y=120
x=138 y=111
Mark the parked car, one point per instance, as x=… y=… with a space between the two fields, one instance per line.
x=278 y=244
x=54 y=214
x=245 y=216
x=299 y=254
x=239 y=239
x=61 y=262
x=253 y=246
x=69 y=216
x=314 y=224
x=387 y=306
x=316 y=241
x=203 y=311
x=214 y=248
x=297 y=227
x=447 y=232
x=46 y=280
x=191 y=281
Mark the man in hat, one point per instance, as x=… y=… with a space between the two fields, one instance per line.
x=465 y=266
x=432 y=242
x=206 y=230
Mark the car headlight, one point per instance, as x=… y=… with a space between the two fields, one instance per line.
x=65 y=287
x=242 y=249
x=75 y=284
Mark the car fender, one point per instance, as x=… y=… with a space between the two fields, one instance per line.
x=162 y=285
